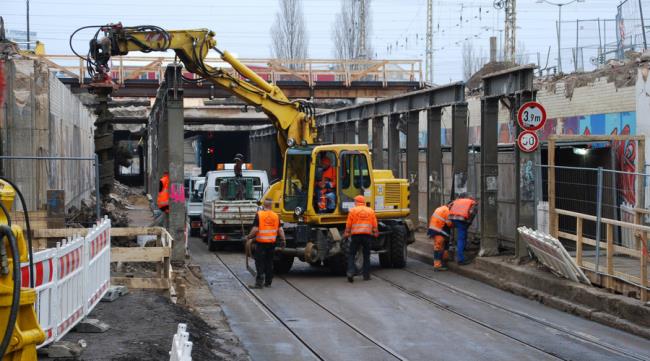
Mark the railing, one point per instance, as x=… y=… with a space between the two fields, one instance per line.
x=310 y=71
x=640 y=251
x=70 y=280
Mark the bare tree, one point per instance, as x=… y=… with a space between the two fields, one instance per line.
x=288 y=33
x=520 y=55
x=351 y=32
x=473 y=61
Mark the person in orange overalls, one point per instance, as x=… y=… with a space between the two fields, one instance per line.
x=462 y=212
x=326 y=186
x=163 y=193
x=361 y=225
x=266 y=228
x=439 y=230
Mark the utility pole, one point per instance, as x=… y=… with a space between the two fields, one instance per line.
x=28 y=44
x=429 y=51
x=362 y=29
x=511 y=31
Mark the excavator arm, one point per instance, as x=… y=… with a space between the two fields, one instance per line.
x=294 y=120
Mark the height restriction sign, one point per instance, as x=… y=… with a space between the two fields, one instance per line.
x=531 y=116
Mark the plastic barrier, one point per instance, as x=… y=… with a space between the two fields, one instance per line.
x=181 y=346
x=70 y=280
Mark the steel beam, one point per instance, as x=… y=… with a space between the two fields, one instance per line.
x=489 y=209
x=459 y=148
x=362 y=131
x=412 y=162
x=378 y=142
x=393 y=144
x=434 y=160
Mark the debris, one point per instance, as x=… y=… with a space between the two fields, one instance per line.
x=64 y=349
x=115 y=205
x=91 y=325
x=115 y=292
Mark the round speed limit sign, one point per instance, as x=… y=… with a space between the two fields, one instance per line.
x=527 y=141
x=531 y=116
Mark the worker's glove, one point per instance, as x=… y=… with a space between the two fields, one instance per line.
x=283 y=244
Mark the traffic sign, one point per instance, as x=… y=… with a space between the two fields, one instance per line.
x=527 y=141
x=531 y=116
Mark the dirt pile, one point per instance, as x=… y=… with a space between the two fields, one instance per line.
x=115 y=205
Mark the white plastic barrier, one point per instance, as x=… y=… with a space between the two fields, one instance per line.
x=181 y=346
x=70 y=280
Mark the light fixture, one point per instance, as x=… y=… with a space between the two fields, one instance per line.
x=580 y=151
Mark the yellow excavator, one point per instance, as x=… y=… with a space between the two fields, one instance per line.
x=319 y=180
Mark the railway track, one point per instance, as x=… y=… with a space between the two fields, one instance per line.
x=609 y=348
x=297 y=336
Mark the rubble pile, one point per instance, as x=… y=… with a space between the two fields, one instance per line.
x=114 y=205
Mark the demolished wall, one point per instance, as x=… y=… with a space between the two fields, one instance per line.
x=41 y=117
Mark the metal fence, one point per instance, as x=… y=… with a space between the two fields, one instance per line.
x=602 y=218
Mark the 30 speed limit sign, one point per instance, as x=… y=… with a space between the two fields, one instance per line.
x=531 y=116
x=527 y=141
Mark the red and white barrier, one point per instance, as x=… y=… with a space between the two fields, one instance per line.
x=70 y=280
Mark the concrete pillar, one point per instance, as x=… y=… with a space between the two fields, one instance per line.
x=378 y=142
x=362 y=131
x=459 y=145
x=434 y=160
x=393 y=144
x=173 y=149
x=489 y=176
x=412 y=160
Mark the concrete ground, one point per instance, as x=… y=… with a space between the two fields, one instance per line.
x=404 y=314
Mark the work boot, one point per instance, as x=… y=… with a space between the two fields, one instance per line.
x=267 y=284
x=258 y=285
x=465 y=262
x=439 y=269
x=366 y=277
x=350 y=278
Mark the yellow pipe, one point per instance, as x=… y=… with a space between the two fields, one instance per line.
x=247 y=72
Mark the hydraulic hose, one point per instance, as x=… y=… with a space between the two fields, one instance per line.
x=29 y=230
x=15 y=297
x=6 y=212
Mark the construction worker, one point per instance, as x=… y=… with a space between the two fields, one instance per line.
x=439 y=230
x=361 y=225
x=163 y=193
x=239 y=164
x=266 y=229
x=462 y=212
x=326 y=185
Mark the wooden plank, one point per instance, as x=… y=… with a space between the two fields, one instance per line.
x=552 y=215
x=593 y=138
x=135 y=231
x=59 y=232
x=613 y=222
x=592 y=242
x=644 y=267
x=139 y=254
x=610 y=252
x=579 y=241
x=141 y=282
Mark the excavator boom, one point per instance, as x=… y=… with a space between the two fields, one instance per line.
x=293 y=119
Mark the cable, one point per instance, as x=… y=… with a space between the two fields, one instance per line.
x=4 y=209
x=29 y=230
x=15 y=297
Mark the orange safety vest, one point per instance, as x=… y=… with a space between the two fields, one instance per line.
x=461 y=209
x=361 y=220
x=331 y=174
x=163 y=195
x=440 y=219
x=267 y=228
x=322 y=200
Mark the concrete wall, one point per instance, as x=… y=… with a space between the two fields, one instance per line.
x=41 y=117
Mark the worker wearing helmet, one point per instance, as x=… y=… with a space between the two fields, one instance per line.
x=326 y=185
x=163 y=193
x=362 y=226
x=266 y=229
x=462 y=212
x=439 y=230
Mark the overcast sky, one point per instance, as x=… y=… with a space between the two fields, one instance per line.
x=398 y=27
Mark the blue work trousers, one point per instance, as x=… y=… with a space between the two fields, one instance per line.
x=461 y=239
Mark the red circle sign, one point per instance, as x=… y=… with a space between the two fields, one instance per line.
x=531 y=116
x=527 y=141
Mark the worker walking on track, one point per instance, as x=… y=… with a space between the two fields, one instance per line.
x=462 y=212
x=361 y=225
x=439 y=230
x=266 y=229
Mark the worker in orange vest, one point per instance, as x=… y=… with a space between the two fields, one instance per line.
x=362 y=226
x=266 y=228
x=462 y=212
x=163 y=193
x=439 y=230
x=326 y=185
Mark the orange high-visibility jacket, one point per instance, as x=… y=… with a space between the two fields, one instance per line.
x=362 y=220
x=163 y=195
x=440 y=219
x=330 y=174
x=462 y=209
x=268 y=225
